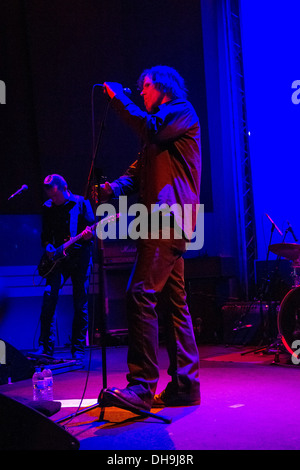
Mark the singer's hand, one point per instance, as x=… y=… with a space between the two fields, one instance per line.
x=101 y=193
x=112 y=88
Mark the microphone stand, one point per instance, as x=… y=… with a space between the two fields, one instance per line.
x=104 y=308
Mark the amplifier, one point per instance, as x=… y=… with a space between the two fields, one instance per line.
x=119 y=251
x=248 y=322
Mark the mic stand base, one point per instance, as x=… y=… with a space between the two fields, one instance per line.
x=141 y=413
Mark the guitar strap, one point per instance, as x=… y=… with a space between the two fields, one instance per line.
x=74 y=212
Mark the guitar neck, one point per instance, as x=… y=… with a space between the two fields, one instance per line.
x=77 y=237
x=109 y=219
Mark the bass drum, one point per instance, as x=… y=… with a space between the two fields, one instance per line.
x=289 y=319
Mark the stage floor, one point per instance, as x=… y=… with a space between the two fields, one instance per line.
x=248 y=403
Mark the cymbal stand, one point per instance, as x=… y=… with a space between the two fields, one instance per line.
x=264 y=292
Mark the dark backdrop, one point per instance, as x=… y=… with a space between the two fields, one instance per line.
x=52 y=53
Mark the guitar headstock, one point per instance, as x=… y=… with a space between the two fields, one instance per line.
x=94 y=194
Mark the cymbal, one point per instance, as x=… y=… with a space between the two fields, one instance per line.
x=286 y=250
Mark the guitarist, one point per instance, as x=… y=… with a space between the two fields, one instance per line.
x=63 y=216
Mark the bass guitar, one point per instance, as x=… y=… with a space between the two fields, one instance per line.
x=48 y=264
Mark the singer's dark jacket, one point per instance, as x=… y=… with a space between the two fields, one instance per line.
x=168 y=169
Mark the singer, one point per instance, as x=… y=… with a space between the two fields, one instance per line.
x=167 y=170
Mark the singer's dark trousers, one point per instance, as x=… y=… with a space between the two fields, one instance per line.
x=159 y=270
x=77 y=267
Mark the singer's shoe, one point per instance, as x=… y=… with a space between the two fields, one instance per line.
x=123 y=398
x=165 y=399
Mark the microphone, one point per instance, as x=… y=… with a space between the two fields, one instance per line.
x=127 y=91
x=292 y=231
x=279 y=231
x=20 y=191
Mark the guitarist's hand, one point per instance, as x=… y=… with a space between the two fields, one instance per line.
x=87 y=233
x=50 y=250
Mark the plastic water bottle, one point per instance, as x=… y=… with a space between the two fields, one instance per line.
x=38 y=384
x=47 y=374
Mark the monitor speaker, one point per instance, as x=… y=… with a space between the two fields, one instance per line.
x=24 y=428
x=14 y=366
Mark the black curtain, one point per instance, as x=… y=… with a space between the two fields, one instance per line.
x=52 y=53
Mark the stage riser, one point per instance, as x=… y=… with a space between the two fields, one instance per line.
x=14 y=366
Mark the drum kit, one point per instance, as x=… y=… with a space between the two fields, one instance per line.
x=288 y=318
